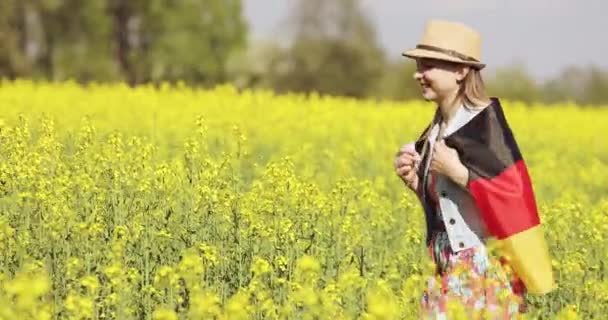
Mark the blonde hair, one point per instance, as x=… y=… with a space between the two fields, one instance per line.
x=473 y=91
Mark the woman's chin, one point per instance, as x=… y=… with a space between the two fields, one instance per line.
x=428 y=95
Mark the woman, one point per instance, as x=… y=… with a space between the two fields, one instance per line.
x=473 y=184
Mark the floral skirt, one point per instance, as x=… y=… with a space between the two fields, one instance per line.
x=470 y=284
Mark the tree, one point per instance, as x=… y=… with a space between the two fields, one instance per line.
x=514 y=83
x=581 y=85
x=596 y=90
x=189 y=40
x=12 y=61
x=76 y=40
x=398 y=81
x=136 y=40
x=334 y=51
x=568 y=85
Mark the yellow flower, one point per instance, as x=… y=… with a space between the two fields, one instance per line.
x=90 y=282
x=79 y=307
x=164 y=314
x=191 y=264
x=568 y=313
x=166 y=277
x=382 y=303
x=308 y=264
x=131 y=199
x=114 y=270
x=237 y=307
x=260 y=267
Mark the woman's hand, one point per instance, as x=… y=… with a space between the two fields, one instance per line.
x=406 y=165
x=446 y=162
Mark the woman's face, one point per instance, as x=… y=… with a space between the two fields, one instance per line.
x=438 y=79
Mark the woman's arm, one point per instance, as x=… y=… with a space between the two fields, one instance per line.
x=460 y=175
x=446 y=161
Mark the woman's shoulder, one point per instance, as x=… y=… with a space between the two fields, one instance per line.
x=479 y=105
x=489 y=109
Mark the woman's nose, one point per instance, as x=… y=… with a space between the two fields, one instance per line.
x=417 y=75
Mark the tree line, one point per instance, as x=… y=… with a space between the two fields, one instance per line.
x=333 y=49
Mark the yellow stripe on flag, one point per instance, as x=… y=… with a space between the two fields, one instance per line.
x=528 y=256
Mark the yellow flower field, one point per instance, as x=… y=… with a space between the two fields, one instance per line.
x=179 y=203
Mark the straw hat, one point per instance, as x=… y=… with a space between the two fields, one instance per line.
x=450 y=41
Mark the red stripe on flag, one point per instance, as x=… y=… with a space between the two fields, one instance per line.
x=506 y=202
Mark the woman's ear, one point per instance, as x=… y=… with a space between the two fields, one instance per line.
x=461 y=73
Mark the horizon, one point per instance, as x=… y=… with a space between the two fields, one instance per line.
x=533 y=42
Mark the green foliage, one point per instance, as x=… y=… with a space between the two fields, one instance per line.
x=513 y=83
x=398 y=82
x=335 y=51
x=188 y=40
x=134 y=40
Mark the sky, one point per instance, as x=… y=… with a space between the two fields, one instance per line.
x=545 y=36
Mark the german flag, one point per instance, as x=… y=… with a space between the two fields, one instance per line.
x=501 y=186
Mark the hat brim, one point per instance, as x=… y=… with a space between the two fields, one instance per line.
x=422 y=53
